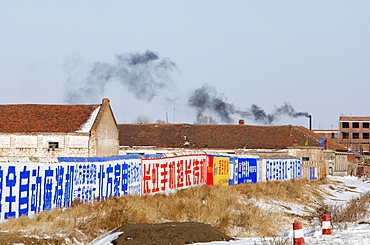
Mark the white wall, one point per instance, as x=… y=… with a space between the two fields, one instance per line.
x=37 y=145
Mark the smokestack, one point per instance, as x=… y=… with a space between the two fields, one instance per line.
x=241 y=122
x=310 y=121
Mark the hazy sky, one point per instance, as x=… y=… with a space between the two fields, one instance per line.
x=313 y=55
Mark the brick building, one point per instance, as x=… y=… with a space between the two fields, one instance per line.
x=354 y=134
x=58 y=130
x=264 y=141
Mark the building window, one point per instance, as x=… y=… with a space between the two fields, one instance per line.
x=334 y=135
x=305 y=158
x=355 y=135
x=345 y=124
x=53 y=145
x=345 y=135
x=365 y=136
x=355 y=125
x=365 y=125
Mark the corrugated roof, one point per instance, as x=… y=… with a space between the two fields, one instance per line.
x=216 y=136
x=17 y=118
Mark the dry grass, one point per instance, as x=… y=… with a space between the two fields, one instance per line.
x=355 y=211
x=230 y=209
x=294 y=190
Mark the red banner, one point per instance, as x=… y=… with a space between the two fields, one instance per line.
x=174 y=172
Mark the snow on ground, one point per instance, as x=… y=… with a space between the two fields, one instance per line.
x=355 y=234
x=352 y=187
x=359 y=235
x=106 y=238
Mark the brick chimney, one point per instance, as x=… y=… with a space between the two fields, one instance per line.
x=105 y=101
x=241 y=122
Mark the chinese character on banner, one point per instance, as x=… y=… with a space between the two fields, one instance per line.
x=125 y=178
x=91 y=177
x=196 y=172
x=58 y=197
x=10 y=183
x=164 y=176
x=109 y=189
x=24 y=190
x=134 y=178
x=172 y=172
x=48 y=189
x=203 y=171
x=68 y=186
x=188 y=172
x=155 y=177
x=147 y=177
x=101 y=177
x=180 y=173
x=117 y=180
x=36 y=187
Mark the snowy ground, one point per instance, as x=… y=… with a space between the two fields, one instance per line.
x=355 y=234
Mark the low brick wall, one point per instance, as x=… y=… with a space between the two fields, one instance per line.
x=363 y=169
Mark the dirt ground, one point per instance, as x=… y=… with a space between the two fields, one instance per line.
x=172 y=233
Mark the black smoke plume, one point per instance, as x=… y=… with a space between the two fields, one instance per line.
x=287 y=109
x=142 y=74
x=257 y=114
x=206 y=99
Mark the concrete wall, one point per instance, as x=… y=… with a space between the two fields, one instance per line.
x=104 y=138
x=37 y=144
x=313 y=153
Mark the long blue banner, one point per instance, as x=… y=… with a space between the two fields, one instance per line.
x=28 y=188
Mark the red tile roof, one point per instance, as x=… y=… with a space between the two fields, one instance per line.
x=44 y=118
x=217 y=136
x=330 y=144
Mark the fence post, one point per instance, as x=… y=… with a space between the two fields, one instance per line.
x=298 y=238
x=326 y=230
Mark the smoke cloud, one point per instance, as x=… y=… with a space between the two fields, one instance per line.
x=142 y=74
x=257 y=114
x=207 y=99
x=145 y=75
